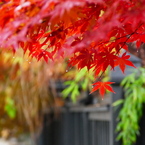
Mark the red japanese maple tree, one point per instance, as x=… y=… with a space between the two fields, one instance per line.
x=91 y=33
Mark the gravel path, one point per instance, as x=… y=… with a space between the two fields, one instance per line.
x=14 y=141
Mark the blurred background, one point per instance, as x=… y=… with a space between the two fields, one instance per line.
x=50 y=103
x=30 y=89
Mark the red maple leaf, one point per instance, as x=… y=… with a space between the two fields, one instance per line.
x=102 y=87
x=84 y=58
x=103 y=60
x=123 y=61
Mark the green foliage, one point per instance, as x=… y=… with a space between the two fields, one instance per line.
x=131 y=112
x=10 y=107
x=82 y=79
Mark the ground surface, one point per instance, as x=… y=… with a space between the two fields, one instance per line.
x=14 y=141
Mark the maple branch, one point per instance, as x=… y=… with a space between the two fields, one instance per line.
x=128 y=38
x=113 y=40
x=100 y=77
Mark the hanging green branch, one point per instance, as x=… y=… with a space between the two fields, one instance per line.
x=132 y=109
x=82 y=80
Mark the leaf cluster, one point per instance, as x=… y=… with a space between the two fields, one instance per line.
x=91 y=33
x=81 y=82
